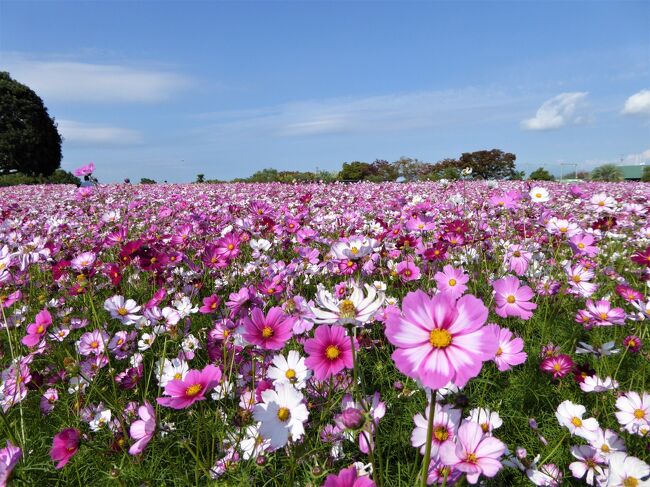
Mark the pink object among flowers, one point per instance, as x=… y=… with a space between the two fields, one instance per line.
x=192 y=388
x=474 y=453
x=510 y=349
x=513 y=299
x=269 y=332
x=36 y=330
x=452 y=280
x=330 y=351
x=143 y=429
x=64 y=446
x=440 y=340
x=348 y=477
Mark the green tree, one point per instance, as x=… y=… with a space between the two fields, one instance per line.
x=607 y=172
x=584 y=175
x=489 y=164
x=29 y=140
x=645 y=176
x=541 y=174
x=147 y=181
x=355 y=171
x=200 y=178
x=382 y=170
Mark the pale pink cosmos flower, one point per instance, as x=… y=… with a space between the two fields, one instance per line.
x=269 y=332
x=513 y=299
x=123 y=310
x=474 y=453
x=570 y=416
x=440 y=339
x=603 y=314
x=142 y=430
x=517 y=259
x=579 y=277
x=9 y=457
x=191 y=388
x=452 y=280
x=588 y=462
x=509 y=351
x=582 y=243
x=446 y=421
x=86 y=170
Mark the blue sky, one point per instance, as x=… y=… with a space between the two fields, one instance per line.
x=167 y=90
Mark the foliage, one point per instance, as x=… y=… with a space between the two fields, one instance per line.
x=57 y=177
x=200 y=178
x=147 y=181
x=645 y=176
x=607 y=172
x=541 y=174
x=29 y=140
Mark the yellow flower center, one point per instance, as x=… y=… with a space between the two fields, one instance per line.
x=122 y=311
x=511 y=299
x=178 y=376
x=564 y=229
x=538 y=195
x=440 y=433
x=354 y=250
x=605 y=448
x=439 y=338
x=630 y=482
x=231 y=246
x=471 y=458
x=639 y=413
x=267 y=332
x=452 y=282
x=485 y=427
x=347 y=309
x=193 y=390
x=557 y=367
x=581 y=245
x=601 y=203
x=577 y=422
x=576 y=278
x=40 y=329
x=290 y=374
x=603 y=316
x=332 y=352
x=499 y=352
x=94 y=344
x=284 y=414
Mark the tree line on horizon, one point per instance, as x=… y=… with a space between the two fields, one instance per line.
x=30 y=153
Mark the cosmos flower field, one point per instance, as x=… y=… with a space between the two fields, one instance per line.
x=390 y=334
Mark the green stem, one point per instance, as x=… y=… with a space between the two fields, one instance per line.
x=427 y=450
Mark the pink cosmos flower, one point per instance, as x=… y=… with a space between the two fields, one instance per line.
x=64 y=446
x=348 y=477
x=143 y=429
x=36 y=330
x=192 y=388
x=86 y=170
x=407 y=271
x=9 y=457
x=559 y=365
x=452 y=281
x=474 y=453
x=603 y=314
x=510 y=349
x=513 y=299
x=210 y=304
x=582 y=243
x=445 y=427
x=439 y=339
x=269 y=332
x=330 y=351
x=518 y=259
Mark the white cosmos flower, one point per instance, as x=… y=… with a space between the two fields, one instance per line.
x=593 y=383
x=634 y=412
x=356 y=309
x=101 y=419
x=174 y=369
x=252 y=445
x=607 y=442
x=353 y=247
x=282 y=414
x=539 y=195
x=570 y=415
x=486 y=419
x=123 y=310
x=625 y=471
x=602 y=203
x=291 y=370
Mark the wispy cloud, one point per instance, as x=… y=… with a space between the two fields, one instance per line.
x=74 y=81
x=641 y=157
x=638 y=104
x=370 y=114
x=561 y=110
x=79 y=133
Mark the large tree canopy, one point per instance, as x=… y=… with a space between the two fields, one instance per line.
x=29 y=140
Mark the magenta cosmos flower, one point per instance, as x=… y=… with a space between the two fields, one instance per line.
x=452 y=281
x=36 y=330
x=407 y=271
x=510 y=349
x=192 y=388
x=440 y=340
x=348 y=477
x=270 y=332
x=330 y=351
x=64 y=446
x=474 y=453
x=512 y=298
x=143 y=429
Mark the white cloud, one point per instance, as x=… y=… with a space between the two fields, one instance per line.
x=382 y=114
x=79 y=133
x=72 y=81
x=638 y=104
x=639 y=158
x=561 y=110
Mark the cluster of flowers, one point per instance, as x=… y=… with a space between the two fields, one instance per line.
x=261 y=302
